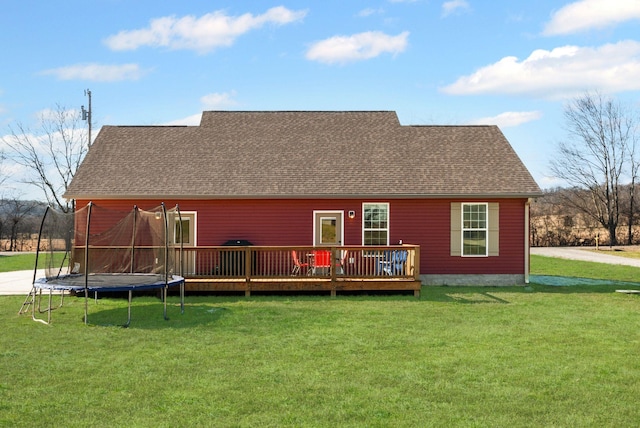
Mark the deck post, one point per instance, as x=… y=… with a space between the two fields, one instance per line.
x=416 y=269
x=248 y=263
x=333 y=269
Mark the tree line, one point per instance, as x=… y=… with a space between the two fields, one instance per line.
x=19 y=224
x=556 y=223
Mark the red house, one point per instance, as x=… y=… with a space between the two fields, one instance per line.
x=459 y=195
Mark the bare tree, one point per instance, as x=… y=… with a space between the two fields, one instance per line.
x=52 y=154
x=634 y=170
x=18 y=211
x=596 y=157
x=3 y=175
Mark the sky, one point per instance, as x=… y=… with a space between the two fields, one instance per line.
x=511 y=63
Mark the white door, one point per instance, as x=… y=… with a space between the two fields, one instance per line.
x=185 y=234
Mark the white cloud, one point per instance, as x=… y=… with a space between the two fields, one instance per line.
x=370 y=11
x=563 y=71
x=508 y=119
x=454 y=6
x=584 y=15
x=193 y=120
x=213 y=101
x=217 y=101
x=97 y=72
x=52 y=115
x=11 y=169
x=202 y=34
x=344 y=49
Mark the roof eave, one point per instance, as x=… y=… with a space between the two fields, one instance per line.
x=498 y=195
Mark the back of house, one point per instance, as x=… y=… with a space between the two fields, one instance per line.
x=334 y=178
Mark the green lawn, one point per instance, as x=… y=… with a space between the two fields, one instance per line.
x=26 y=261
x=541 y=265
x=17 y=262
x=458 y=356
x=628 y=253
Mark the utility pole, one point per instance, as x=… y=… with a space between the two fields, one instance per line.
x=86 y=114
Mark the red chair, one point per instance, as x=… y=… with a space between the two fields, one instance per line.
x=297 y=265
x=321 y=260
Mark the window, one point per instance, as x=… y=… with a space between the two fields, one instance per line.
x=184 y=230
x=474 y=229
x=375 y=227
x=183 y=234
x=329 y=228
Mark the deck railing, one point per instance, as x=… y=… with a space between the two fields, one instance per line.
x=267 y=268
x=266 y=262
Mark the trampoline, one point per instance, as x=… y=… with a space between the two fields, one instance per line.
x=121 y=252
x=104 y=283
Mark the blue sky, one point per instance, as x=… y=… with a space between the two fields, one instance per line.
x=504 y=62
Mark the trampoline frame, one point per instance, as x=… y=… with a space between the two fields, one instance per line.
x=59 y=284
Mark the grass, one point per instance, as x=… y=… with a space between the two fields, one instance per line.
x=458 y=356
x=630 y=254
x=17 y=262
x=24 y=261
x=541 y=265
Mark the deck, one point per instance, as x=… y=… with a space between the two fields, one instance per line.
x=332 y=269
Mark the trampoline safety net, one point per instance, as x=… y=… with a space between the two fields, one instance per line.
x=95 y=240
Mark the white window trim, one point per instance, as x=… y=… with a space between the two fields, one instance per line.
x=388 y=220
x=194 y=225
x=485 y=229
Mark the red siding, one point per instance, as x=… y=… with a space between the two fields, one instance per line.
x=424 y=222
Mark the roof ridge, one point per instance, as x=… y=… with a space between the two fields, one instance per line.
x=298 y=111
x=453 y=126
x=150 y=126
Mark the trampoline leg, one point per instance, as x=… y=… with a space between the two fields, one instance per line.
x=50 y=301
x=164 y=297
x=182 y=297
x=129 y=310
x=29 y=300
x=86 y=306
x=37 y=297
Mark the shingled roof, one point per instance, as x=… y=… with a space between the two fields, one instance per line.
x=282 y=154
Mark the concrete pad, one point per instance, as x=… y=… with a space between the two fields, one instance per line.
x=18 y=282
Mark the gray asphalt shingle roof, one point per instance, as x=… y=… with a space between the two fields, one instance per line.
x=300 y=154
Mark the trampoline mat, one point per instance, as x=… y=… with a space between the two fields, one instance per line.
x=108 y=282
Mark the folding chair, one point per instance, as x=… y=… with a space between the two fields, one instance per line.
x=297 y=265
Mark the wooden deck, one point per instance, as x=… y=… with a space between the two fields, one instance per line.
x=272 y=269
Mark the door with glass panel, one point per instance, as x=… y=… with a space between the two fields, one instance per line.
x=328 y=228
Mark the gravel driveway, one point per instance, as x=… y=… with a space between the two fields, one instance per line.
x=584 y=253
